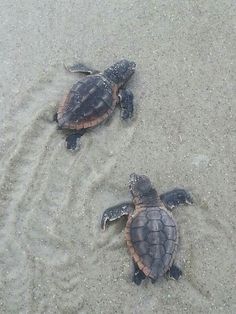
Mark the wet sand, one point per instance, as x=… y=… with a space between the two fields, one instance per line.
x=53 y=256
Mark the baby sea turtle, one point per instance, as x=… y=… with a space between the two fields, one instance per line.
x=151 y=231
x=92 y=99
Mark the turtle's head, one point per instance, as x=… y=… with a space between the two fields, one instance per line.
x=142 y=191
x=120 y=72
x=139 y=185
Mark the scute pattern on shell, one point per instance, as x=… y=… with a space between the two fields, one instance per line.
x=152 y=240
x=90 y=99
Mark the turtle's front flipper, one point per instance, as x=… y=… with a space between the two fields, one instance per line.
x=72 y=139
x=138 y=276
x=126 y=103
x=80 y=68
x=116 y=212
x=176 y=197
x=175 y=272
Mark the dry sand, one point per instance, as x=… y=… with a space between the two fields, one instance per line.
x=53 y=256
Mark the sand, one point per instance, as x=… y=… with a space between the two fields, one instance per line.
x=53 y=256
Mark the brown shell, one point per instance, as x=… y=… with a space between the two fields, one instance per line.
x=152 y=239
x=90 y=101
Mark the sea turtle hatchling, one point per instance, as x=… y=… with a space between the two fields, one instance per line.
x=151 y=231
x=92 y=99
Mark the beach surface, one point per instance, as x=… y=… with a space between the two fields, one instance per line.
x=54 y=258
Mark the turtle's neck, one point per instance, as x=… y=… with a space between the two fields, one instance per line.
x=147 y=200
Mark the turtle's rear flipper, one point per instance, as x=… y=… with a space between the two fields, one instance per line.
x=72 y=140
x=175 y=272
x=80 y=68
x=138 y=276
x=55 y=117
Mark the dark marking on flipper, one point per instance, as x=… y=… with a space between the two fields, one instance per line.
x=115 y=212
x=126 y=103
x=176 y=197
